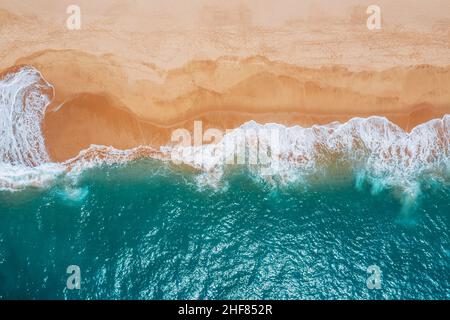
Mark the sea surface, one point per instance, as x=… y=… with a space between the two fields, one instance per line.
x=355 y=210
x=146 y=230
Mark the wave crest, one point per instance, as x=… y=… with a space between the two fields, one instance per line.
x=373 y=147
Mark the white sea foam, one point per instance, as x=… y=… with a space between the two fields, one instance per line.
x=72 y=195
x=24 y=97
x=97 y=155
x=17 y=177
x=374 y=149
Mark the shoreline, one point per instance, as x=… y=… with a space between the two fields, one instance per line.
x=105 y=106
x=421 y=152
x=97 y=101
x=97 y=132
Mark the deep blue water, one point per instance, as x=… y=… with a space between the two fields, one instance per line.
x=147 y=231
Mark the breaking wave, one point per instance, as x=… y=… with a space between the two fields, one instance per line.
x=24 y=97
x=372 y=150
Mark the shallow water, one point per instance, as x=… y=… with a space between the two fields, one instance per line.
x=146 y=230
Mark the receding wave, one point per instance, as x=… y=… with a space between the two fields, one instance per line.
x=371 y=149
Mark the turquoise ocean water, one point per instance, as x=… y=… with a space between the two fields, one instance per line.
x=146 y=230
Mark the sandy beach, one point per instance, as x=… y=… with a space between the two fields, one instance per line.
x=273 y=151
x=134 y=72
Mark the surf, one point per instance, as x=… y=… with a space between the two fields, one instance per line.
x=373 y=150
x=24 y=97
